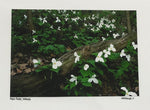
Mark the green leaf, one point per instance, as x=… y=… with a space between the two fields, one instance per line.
x=72 y=85
x=100 y=71
x=55 y=70
x=92 y=62
x=38 y=70
x=87 y=84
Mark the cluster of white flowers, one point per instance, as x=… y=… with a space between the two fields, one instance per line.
x=108 y=23
x=135 y=46
x=77 y=57
x=75 y=19
x=122 y=53
x=43 y=19
x=106 y=53
x=57 y=20
x=55 y=63
x=128 y=94
x=90 y=80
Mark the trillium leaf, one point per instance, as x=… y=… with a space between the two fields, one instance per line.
x=87 y=84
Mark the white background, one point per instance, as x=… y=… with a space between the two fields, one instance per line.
x=74 y=103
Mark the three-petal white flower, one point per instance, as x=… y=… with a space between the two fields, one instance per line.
x=93 y=79
x=99 y=57
x=86 y=66
x=128 y=57
x=103 y=38
x=75 y=36
x=122 y=53
x=56 y=64
x=128 y=94
x=77 y=57
x=73 y=79
x=34 y=40
x=106 y=53
x=134 y=45
x=115 y=35
x=111 y=48
x=35 y=62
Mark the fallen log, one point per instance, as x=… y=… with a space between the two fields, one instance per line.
x=24 y=85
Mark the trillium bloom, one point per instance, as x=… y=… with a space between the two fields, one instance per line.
x=111 y=48
x=93 y=79
x=113 y=20
x=86 y=66
x=115 y=35
x=34 y=40
x=76 y=57
x=128 y=57
x=122 y=53
x=57 y=20
x=25 y=16
x=36 y=62
x=103 y=38
x=106 y=53
x=33 y=31
x=44 y=20
x=76 y=37
x=73 y=79
x=56 y=64
x=128 y=94
x=134 y=45
x=99 y=58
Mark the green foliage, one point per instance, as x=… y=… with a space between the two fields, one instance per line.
x=55 y=36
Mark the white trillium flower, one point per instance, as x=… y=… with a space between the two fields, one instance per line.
x=134 y=45
x=93 y=79
x=128 y=57
x=34 y=40
x=40 y=18
x=73 y=79
x=113 y=20
x=115 y=35
x=33 y=31
x=77 y=57
x=36 y=62
x=86 y=66
x=99 y=58
x=122 y=53
x=44 y=20
x=113 y=12
x=111 y=48
x=103 y=38
x=57 y=20
x=106 y=53
x=76 y=37
x=25 y=16
x=56 y=64
x=128 y=94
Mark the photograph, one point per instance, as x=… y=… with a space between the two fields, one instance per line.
x=74 y=53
